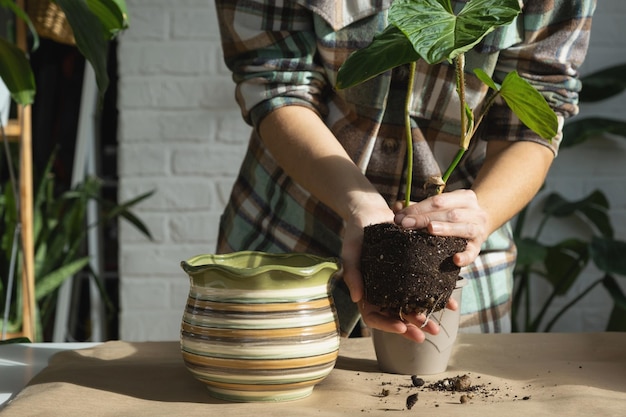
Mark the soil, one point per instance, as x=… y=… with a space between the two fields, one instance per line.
x=399 y=393
x=406 y=270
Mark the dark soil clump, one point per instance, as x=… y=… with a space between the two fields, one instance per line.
x=406 y=271
x=461 y=383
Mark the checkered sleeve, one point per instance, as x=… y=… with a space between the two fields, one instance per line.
x=270 y=48
x=555 y=41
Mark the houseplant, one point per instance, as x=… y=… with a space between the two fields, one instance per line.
x=430 y=30
x=93 y=22
x=592 y=241
x=60 y=234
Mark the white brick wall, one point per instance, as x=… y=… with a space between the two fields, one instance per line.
x=181 y=134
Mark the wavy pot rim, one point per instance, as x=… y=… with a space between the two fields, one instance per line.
x=297 y=263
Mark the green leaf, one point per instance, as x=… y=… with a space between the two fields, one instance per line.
x=608 y=255
x=388 y=50
x=603 y=84
x=593 y=208
x=564 y=263
x=428 y=29
x=112 y=14
x=20 y=13
x=52 y=281
x=529 y=106
x=530 y=251
x=90 y=39
x=578 y=131
x=14 y=340
x=122 y=210
x=485 y=78
x=617 y=320
x=437 y=34
x=16 y=73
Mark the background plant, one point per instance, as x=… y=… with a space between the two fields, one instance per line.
x=94 y=23
x=60 y=232
x=561 y=265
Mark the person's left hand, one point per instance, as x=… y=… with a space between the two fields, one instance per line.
x=454 y=213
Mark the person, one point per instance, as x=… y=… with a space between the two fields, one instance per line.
x=322 y=163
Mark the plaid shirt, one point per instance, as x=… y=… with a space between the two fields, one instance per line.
x=285 y=53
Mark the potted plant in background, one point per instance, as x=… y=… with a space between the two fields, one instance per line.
x=60 y=234
x=93 y=24
x=561 y=264
x=395 y=279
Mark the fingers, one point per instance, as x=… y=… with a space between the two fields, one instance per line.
x=410 y=326
x=456 y=213
x=452 y=304
x=354 y=282
x=468 y=256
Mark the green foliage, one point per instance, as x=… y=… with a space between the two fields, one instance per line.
x=600 y=85
x=432 y=31
x=603 y=84
x=60 y=233
x=94 y=23
x=562 y=264
x=15 y=340
x=438 y=34
x=16 y=73
x=428 y=30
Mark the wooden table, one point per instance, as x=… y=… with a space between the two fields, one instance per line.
x=512 y=374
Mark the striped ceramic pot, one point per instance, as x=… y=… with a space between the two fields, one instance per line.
x=259 y=326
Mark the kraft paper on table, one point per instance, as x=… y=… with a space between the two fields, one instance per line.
x=519 y=375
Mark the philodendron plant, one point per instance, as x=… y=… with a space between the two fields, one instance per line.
x=430 y=30
x=414 y=277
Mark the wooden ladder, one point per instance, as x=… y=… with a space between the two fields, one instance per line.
x=20 y=130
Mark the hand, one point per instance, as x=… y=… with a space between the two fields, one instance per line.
x=410 y=326
x=455 y=213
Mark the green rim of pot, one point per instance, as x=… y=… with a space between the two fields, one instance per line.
x=253 y=263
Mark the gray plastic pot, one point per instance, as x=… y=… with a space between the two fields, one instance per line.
x=398 y=355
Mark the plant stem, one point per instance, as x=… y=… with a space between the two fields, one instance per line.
x=409 y=136
x=570 y=304
x=464 y=139
x=452 y=166
x=555 y=291
x=516 y=299
x=460 y=88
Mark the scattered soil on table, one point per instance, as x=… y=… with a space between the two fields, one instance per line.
x=458 y=383
x=411 y=400
x=460 y=389
x=406 y=271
